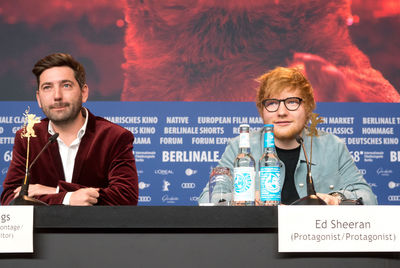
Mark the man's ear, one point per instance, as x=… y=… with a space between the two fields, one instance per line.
x=38 y=99
x=85 y=93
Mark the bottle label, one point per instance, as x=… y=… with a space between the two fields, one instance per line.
x=244 y=184
x=244 y=140
x=270 y=188
x=269 y=140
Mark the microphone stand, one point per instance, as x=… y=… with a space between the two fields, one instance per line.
x=311 y=198
x=23 y=199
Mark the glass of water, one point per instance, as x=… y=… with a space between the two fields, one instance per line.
x=221 y=187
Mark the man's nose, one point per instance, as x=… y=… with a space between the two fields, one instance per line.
x=282 y=110
x=57 y=93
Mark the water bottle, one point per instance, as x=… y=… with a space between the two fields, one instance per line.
x=244 y=171
x=270 y=170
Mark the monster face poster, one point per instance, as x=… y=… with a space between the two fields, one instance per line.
x=206 y=50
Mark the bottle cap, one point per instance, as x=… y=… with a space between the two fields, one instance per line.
x=244 y=125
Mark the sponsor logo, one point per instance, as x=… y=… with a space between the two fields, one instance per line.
x=194 y=198
x=383 y=172
x=394 y=197
x=163 y=172
x=144 y=198
x=169 y=199
x=165 y=186
x=4 y=171
x=142 y=156
x=143 y=185
x=190 y=172
x=188 y=185
x=362 y=171
x=393 y=184
x=243 y=182
x=372 y=184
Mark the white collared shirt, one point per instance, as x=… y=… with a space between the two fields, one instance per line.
x=68 y=153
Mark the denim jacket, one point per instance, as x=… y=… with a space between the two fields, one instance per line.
x=332 y=167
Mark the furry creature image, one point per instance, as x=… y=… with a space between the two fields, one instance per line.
x=212 y=50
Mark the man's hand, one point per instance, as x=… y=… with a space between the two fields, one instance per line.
x=37 y=189
x=329 y=199
x=84 y=197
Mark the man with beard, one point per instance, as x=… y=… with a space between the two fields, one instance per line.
x=91 y=163
x=285 y=99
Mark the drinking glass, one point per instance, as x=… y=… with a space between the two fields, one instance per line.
x=220 y=187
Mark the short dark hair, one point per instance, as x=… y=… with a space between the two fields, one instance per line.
x=58 y=60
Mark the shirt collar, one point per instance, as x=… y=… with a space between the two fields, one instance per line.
x=81 y=131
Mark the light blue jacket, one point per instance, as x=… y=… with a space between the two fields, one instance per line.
x=333 y=169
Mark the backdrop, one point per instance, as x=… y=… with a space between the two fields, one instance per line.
x=195 y=59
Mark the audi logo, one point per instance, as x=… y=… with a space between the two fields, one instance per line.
x=144 y=198
x=394 y=197
x=188 y=185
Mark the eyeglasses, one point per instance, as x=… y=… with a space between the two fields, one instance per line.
x=292 y=104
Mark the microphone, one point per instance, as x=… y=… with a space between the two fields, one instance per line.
x=311 y=198
x=23 y=198
x=346 y=201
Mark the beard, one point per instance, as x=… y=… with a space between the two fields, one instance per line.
x=288 y=133
x=70 y=113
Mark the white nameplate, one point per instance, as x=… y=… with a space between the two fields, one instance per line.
x=16 y=229
x=339 y=228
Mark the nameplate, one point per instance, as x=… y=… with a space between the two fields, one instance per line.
x=339 y=228
x=16 y=229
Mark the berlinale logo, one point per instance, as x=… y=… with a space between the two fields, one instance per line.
x=165 y=186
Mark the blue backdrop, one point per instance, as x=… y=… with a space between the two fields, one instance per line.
x=177 y=143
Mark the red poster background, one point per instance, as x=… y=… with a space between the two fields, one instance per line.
x=205 y=50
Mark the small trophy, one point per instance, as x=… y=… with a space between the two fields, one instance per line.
x=311 y=198
x=28 y=132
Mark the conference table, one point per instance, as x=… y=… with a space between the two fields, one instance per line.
x=171 y=236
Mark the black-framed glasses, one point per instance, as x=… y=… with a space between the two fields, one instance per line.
x=291 y=103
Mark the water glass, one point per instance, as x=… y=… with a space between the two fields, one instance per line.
x=221 y=187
